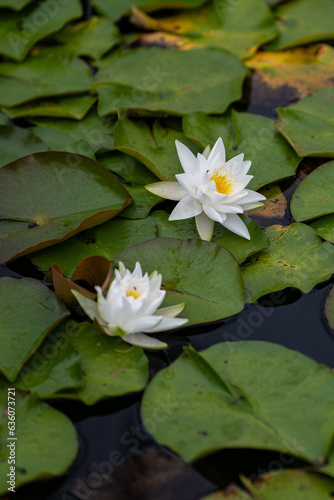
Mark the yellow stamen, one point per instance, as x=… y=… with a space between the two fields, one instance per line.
x=223 y=185
x=133 y=293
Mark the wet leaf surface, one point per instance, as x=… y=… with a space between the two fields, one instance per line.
x=16 y=142
x=324 y=227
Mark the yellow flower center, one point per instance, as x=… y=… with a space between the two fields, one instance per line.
x=133 y=293
x=223 y=185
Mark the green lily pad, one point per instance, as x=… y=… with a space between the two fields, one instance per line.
x=205 y=130
x=201 y=274
x=96 y=131
x=29 y=311
x=40 y=453
x=155 y=147
x=236 y=395
x=108 y=239
x=324 y=227
x=42 y=75
x=57 y=140
x=14 y=4
x=92 y=38
x=64 y=107
x=232 y=492
x=217 y=24
x=110 y=366
x=297 y=257
x=239 y=247
x=17 y=142
x=308 y=125
x=3 y=119
x=21 y=30
x=59 y=195
x=329 y=308
x=176 y=82
x=296 y=23
x=314 y=196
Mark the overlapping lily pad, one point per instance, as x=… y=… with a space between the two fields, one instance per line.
x=249 y=398
x=314 y=196
x=14 y=4
x=273 y=209
x=308 y=125
x=58 y=195
x=3 y=119
x=201 y=274
x=40 y=453
x=21 y=30
x=29 y=311
x=176 y=82
x=16 y=142
x=57 y=140
x=324 y=227
x=297 y=257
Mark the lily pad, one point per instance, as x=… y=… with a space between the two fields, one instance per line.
x=21 y=30
x=238 y=30
x=324 y=227
x=249 y=398
x=176 y=82
x=43 y=74
x=91 y=38
x=205 y=130
x=29 y=311
x=39 y=451
x=108 y=239
x=64 y=107
x=297 y=257
x=16 y=142
x=57 y=140
x=314 y=196
x=110 y=366
x=3 y=119
x=239 y=247
x=59 y=195
x=297 y=26
x=329 y=308
x=273 y=209
x=155 y=147
x=14 y=4
x=201 y=274
x=308 y=125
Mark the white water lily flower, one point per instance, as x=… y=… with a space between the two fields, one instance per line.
x=210 y=189
x=131 y=308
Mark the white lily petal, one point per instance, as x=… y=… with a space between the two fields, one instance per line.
x=212 y=213
x=186 y=208
x=204 y=226
x=171 y=190
x=171 y=311
x=167 y=323
x=144 y=341
x=222 y=208
x=218 y=148
x=205 y=195
x=246 y=165
x=153 y=306
x=251 y=206
x=186 y=157
x=235 y=224
x=143 y=324
x=188 y=183
x=252 y=197
x=88 y=305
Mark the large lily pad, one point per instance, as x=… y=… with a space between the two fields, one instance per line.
x=308 y=125
x=21 y=30
x=201 y=274
x=297 y=257
x=324 y=227
x=239 y=247
x=40 y=453
x=59 y=195
x=169 y=81
x=57 y=140
x=155 y=147
x=297 y=25
x=110 y=367
x=16 y=142
x=238 y=30
x=108 y=239
x=236 y=395
x=29 y=311
x=314 y=196
x=42 y=75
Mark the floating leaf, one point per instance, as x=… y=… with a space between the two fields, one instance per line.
x=297 y=257
x=3 y=119
x=92 y=271
x=236 y=395
x=329 y=308
x=42 y=75
x=308 y=125
x=64 y=107
x=297 y=26
x=29 y=311
x=14 y=4
x=201 y=274
x=21 y=30
x=92 y=38
x=59 y=195
x=57 y=140
x=16 y=142
x=324 y=227
x=169 y=81
x=110 y=366
x=239 y=247
x=154 y=147
x=108 y=239
x=204 y=130
x=273 y=209
x=218 y=24
x=40 y=453
x=314 y=196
